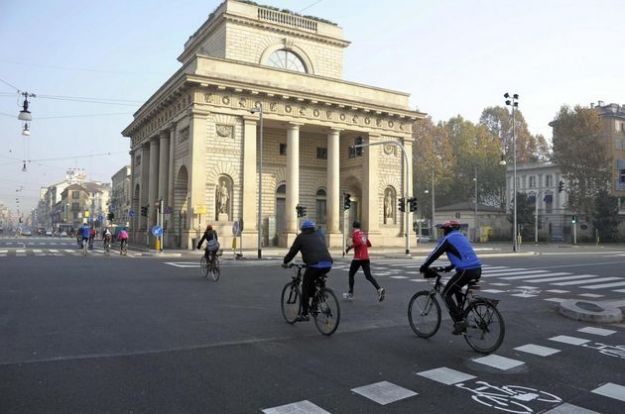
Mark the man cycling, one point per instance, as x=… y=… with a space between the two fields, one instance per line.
x=122 y=236
x=317 y=258
x=85 y=234
x=107 y=236
x=464 y=260
x=212 y=243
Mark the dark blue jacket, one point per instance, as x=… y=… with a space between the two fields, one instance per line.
x=85 y=232
x=459 y=252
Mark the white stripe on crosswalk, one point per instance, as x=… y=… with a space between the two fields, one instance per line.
x=611 y=390
x=301 y=407
x=384 y=392
x=567 y=408
x=514 y=273
x=542 y=351
x=535 y=276
x=581 y=282
x=596 y=331
x=446 y=375
x=499 y=362
x=561 y=278
x=605 y=285
x=571 y=340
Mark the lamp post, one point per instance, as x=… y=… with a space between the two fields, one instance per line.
x=513 y=101
x=405 y=195
x=259 y=108
x=477 y=225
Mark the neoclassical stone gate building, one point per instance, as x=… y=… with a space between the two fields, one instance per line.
x=195 y=143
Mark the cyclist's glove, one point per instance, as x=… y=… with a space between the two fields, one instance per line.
x=448 y=268
x=423 y=269
x=285 y=265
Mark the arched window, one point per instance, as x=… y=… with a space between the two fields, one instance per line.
x=285 y=59
x=320 y=206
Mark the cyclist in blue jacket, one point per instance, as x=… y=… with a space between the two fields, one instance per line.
x=85 y=233
x=464 y=260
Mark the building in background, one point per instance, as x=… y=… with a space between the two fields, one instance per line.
x=120 y=196
x=613 y=118
x=195 y=143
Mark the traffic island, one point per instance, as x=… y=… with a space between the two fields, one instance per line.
x=597 y=312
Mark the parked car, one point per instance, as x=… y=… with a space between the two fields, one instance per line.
x=63 y=234
x=48 y=233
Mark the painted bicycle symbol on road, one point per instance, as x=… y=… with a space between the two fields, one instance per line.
x=615 y=351
x=510 y=398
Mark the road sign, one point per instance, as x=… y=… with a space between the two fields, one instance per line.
x=157 y=231
x=131 y=213
x=169 y=210
x=100 y=217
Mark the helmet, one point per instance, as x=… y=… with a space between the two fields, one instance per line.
x=449 y=225
x=308 y=224
x=356 y=224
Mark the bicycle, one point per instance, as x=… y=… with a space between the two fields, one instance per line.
x=324 y=308
x=211 y=268
x=85 y=246
x=123 y=248
x=107 y=245
x=485 y=325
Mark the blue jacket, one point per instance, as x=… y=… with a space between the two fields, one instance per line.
x=459 y=252
x=85 y=231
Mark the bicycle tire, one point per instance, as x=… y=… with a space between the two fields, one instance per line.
x=216 y=271
x=290 y=303
x=204 y=267
x=327 y=313
x=424 y=314
x=503 y=406
x=485 y=327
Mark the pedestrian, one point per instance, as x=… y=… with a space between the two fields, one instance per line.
x=361 y=244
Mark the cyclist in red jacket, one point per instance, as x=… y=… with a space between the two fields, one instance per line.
x=361 y=244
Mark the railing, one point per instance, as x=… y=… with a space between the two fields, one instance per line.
x=287 y=19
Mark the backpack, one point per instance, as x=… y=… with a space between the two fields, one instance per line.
x=212 y=245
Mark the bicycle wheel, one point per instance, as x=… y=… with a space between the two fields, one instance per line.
x=485 y=327
x=84 y=248
x=289 y=302
x=327 y=313
x=204 y=267
x=424 y=314
x=215 y=271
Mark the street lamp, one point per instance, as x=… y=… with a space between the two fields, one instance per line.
x=26 y=130
x=259 y=108
x=477 y=225
x=25 y=114
x=513 y=101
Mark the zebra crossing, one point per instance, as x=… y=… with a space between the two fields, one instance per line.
x=24 y=252
x=505 y=397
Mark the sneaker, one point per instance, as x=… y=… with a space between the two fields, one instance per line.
x=348 y=296
x=380 y=294
x=302 y=318
x=460 y=327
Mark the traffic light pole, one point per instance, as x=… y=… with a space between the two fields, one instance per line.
x=405 y=192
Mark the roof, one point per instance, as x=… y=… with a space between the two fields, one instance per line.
x=470 y=206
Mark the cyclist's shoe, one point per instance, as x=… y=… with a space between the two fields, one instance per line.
x=381 y=294
x=302 y=318
x=348 y=296
x=460 y=327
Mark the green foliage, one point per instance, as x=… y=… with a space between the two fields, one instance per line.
x=605 y=217
x=525 y=215
x=582 y=154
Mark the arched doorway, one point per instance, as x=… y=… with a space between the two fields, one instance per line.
x=181 y=189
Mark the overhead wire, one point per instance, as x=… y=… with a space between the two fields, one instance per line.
x=9 y=84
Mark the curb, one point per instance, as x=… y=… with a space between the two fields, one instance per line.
x=582 y=310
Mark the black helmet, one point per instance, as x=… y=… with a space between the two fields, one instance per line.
x=356 y=224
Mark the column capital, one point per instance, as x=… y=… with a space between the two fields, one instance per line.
x=250 y=119
x=335 y=129
x=295 y=125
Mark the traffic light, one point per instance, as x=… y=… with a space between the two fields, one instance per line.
x=301 y=211
x=573 y=220
x=347 y=203
x=412 y=202
x=560 y=186
x=110 y=216
x=402 y=204
x=144 y=211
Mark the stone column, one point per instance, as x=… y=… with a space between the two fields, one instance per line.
x=334 y=208
x=292 y=179
x=198 y=211
x=145 y=183
x=163 y=168
x=370 y=204
x=134 y=203
x=153 y=187
x=250 y=183
x=172 y=176
x=407 y=142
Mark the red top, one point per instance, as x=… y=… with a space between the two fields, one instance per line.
x=360 y=243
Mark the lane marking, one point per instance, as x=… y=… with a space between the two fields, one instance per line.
x=499 y=362
x=611 y=390
x=542 y=351
x=567 y=408
x=492 y=291
x=604 y=285
x=384 y=392
x=301 y=407
x=557 y=291
x=446 y=375
x=596 y=331
x=591 y=295
x=499 y=284
x=536 y=276
x=581 y=282
x=561 y=278
x=399 y=277
x=524 y=295
x=571 y=340
x=559 y=300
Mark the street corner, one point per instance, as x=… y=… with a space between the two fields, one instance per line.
x=588 y=311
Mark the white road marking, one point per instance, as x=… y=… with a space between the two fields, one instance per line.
x=527 y=287
x=399 y=277
x=499 y=284
x=567 y=408
x=559 y=300
x=542 y=351
x=557 y=291
x=499 y=362
x=183 y=264
x=384 y=392
x=591 y=295
x=524 y=295
x=417 y=280
x=561 y=278
x=446 y=375
x=301 y=407
x=486 y=267
x=581 y=282
x=492 y=291
x=596 y=331
x=53 y=250
x=535 y=276
x=571 y=340
x=605 y=285
x=620 y=290
x=611 y=390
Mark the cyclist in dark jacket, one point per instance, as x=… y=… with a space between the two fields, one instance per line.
x=317 y=258
x=468 y=268
x=212 y=243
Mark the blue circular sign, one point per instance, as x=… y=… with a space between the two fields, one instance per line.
x=131 y=213
x=157 y=231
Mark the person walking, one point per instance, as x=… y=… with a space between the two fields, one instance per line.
x=361 y=244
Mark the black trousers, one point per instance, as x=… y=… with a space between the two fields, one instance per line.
x=353 y=268
x=453 y=290
x=308 y=285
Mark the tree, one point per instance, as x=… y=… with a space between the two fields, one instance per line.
x=605 y=217
x=525 y=215
x=582 y=154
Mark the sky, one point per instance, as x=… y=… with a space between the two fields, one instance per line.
x=453 y=57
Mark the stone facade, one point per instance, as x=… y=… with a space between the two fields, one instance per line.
x=196 y=143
